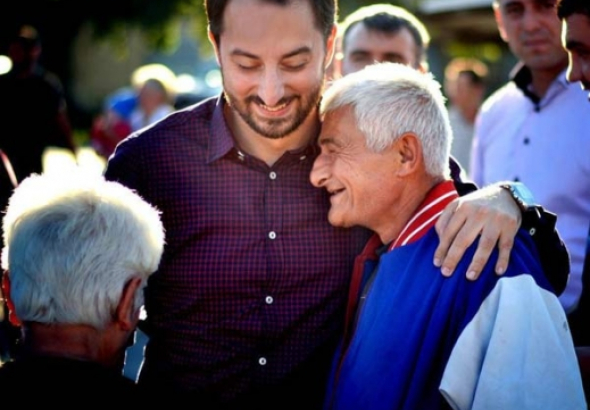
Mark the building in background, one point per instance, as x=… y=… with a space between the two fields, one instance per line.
x=464 y=28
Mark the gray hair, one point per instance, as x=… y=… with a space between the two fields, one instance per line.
x=72 y=242
x=391 y=99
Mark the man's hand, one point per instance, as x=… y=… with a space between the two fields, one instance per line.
x=490 y=212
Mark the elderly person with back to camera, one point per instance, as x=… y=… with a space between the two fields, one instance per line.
x=78 y=251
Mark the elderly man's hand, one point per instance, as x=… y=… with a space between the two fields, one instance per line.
x=490 y=212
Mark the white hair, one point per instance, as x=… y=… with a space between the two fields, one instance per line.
x=391 y=99
x=72 y=242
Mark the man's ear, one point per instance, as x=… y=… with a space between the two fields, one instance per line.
x=409 y=150
x=126 y=314
x=14 y=320
x=423 y=67
x=215 y=46
x=500 y=22
x=331 y=46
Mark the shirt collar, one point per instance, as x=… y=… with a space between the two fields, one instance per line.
x=221 y=141
x=427 y=214
x=522 y=77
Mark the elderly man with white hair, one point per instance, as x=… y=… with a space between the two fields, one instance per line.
x=78 y=251
x=415 y=339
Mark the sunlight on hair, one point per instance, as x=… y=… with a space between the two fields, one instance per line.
x=60 y=160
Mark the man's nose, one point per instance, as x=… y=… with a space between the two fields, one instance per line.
x=319 y=172
x=530 y=20
x=272 y=87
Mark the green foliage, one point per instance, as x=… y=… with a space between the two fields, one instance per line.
x=157 y=19
x=111 y=19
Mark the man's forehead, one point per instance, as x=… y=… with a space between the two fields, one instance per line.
x=239 y=19
x=266 y=11
x=358 y=38
x=294 y=26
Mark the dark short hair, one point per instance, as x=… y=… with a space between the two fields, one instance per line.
x=473 y=77
x=325 y=12
x=566 y=8
x=474 y=69
x=27 y=37
x=387 y=18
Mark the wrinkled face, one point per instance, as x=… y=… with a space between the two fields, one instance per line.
x=273 y=60
x=361 y=183
x=532 y=30
x=364 y=47
x=576 y=40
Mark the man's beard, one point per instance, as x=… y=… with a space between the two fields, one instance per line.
x=280 y=127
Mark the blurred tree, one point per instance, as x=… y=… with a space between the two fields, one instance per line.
x=60 y=21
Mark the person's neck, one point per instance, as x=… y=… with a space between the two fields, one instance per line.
x=542 y=79
x=469 y=112
x=23 y=73
x=414 y=192
x=266 y=149
x=75 y=342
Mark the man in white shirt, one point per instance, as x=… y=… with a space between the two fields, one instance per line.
x=536 y=129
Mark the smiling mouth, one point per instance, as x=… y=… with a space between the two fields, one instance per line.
x=276 y=108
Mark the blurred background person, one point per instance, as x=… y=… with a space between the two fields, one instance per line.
x=465 y=88
x=155 y=85
x=150 y=97
x=33 y=110
x=575 y=18
x=78 y=251
x=380 y=33
x=536 y=129
x=112 y=125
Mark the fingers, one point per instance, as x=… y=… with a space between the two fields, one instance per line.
x=490 y=214
x=461 y=229
x=456 y=232
x=466 y=234
x=485 y=247
x=505 y=248
x=445 y=233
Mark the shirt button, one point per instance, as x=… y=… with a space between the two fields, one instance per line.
x=262 y=361
x=272 y=175
x=526 y=141
x=241 y=156
x=532 y=231
x=269 y=300
x=301 y=158
x=272 y=235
